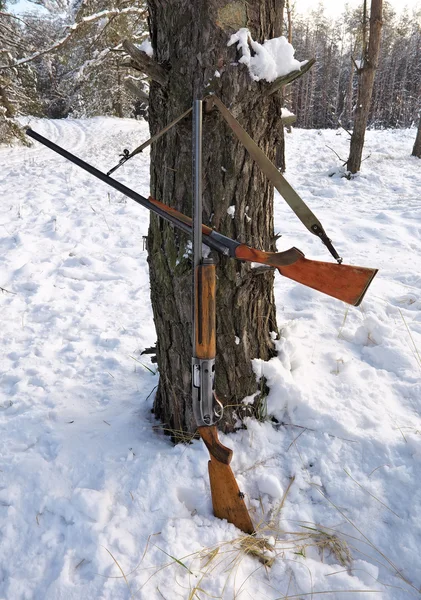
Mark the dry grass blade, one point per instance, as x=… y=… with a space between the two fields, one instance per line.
x=160 y=593
x=397 y=571
x=295 y=439
x=415 y=351
x=143 y=365
x=379 y=467
x=372 y=495
x=177 y=435
x=258 y=463
x=277 y=511
x=325 y=592
x=122 y=572
x=343 y=323
x=175 y=559
x=258 y=547
x=136 y=567
x=209 y=556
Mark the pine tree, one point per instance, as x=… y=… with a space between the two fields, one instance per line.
x=366 y=70
x=189 y=40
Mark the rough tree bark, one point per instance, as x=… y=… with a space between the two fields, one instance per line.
x=365 y=87
x=189 y=40
x=416 y=150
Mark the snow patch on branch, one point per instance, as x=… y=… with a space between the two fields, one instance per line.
x=146 y=47
x=286 y=113
x=270 y=60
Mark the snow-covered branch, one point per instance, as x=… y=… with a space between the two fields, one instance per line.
x=72 y=30
x=290 y=77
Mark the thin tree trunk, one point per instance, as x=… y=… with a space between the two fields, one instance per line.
x=190 y=40
x=416 y=151
x=365 y=88
x=289 y=17
x=4 y=100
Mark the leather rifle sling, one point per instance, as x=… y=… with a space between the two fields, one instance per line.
x=150 y=141
x=297 y=204
x=160 y=133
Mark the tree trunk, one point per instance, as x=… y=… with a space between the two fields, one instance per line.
x=190 y=40
x=416 y=150
x=365 y=87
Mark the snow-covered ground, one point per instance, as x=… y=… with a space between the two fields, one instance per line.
x=90 y=488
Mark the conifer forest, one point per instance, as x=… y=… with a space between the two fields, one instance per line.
x=66 y=58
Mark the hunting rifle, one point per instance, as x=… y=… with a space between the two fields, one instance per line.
x=227 y=500
x=344 y=282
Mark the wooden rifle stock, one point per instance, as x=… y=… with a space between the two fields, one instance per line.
x=227 y=500
x=344 y=282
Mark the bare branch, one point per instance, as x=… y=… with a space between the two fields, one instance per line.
x=2 y=289
x=135 y=90
x=12 y=16
x=357 y=68
x=146 y=64
x=289 y=120
x=334 y=151
x=289 y=78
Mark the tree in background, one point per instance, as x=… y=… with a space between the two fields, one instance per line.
x=366 y=72
x=86 y=72
x=95 y=74
x=17 y=85
x=326 y=96
x=416 y=150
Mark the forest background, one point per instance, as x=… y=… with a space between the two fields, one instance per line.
x=65 y=58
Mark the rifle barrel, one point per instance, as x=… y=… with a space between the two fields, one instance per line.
x=123 y=189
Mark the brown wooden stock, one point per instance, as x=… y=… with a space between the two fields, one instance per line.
x=344 y=282
x=175 y=213
x=227 y=500
x=205 y=311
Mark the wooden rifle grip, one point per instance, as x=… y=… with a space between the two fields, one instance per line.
x=205 y=307
x=217 y=450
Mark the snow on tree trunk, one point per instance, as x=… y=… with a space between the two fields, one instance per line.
x=365 y=87
x=416 y=150
x=190 y=40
